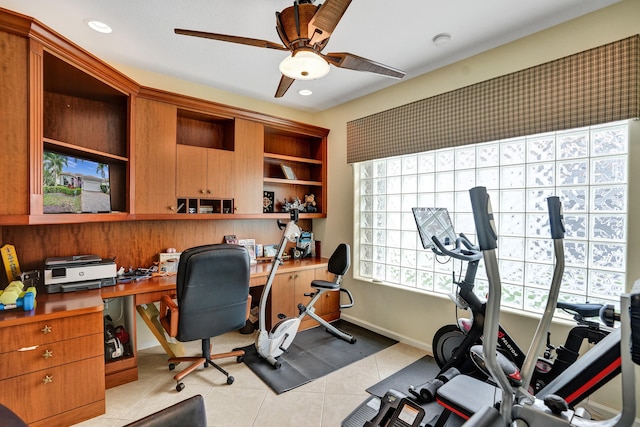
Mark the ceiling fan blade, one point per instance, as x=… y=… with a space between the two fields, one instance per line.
x=355 y=62
x=232 y=39
x=285 y=84
x=326 y=19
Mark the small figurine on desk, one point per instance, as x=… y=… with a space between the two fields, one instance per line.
x=310 y=203
x=13 y=296
x=295 y=204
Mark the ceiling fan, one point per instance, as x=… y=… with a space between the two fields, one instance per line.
x=305 y=30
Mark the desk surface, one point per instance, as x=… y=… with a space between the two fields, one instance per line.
x=159 y=284
x=52 y=306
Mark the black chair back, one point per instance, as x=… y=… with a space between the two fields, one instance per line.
x=212 y=290
x=340 y=260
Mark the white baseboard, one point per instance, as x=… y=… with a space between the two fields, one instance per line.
x=389 y=334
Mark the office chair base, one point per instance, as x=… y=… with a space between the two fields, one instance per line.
x=196 y=362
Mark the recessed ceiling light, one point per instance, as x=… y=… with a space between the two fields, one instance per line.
x=305 y=92
x=98 y=26
x=440 y=39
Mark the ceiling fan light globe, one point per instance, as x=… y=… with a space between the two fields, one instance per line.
x=304 y=65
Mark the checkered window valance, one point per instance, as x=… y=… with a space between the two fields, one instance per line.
x=596 y=86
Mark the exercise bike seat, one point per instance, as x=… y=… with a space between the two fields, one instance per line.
x=325 y=285
x=582 y=309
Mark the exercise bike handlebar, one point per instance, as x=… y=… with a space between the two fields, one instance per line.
x=556 y=220
x=483 y=217
x=464 y=250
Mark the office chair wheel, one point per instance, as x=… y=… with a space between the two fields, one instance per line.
x=172 y=366
x=179 y=387
x=230 y=380
x=240 y=359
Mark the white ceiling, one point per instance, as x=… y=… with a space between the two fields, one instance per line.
x=395 y=33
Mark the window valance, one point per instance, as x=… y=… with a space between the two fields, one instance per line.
x=596 y=86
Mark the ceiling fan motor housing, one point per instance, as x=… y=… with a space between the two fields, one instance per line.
x=293 y=26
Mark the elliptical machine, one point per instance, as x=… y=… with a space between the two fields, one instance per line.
x=518 y=407
x=272 y=344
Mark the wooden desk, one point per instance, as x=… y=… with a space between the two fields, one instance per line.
x=290 y=284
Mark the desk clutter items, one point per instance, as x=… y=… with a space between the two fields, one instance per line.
x=116 y=341
x=168 y=261
x=78 y=272
x=15 y=295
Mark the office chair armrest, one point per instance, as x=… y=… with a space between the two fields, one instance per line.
x=169 y=313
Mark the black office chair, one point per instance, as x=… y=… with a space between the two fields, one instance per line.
x=8 y=418
x=190 y=412
x=212 y=292
x=338 y=265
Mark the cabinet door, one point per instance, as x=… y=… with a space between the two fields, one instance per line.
x=14 y=127
x=191 y=171
x=155 y=157
x=249 y=149
x=329 y=305
x=220 y=177
x=283 y=299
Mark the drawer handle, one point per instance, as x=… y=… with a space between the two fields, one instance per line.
x=47 y=379
x=46 y=329
x=47 y=354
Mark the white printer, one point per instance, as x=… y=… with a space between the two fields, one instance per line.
x=79 y=272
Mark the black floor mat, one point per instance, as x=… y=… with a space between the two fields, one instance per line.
x=315 y=353
x=415 y=374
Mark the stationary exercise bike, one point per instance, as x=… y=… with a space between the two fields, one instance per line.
x=452 y=344
x=272 y=344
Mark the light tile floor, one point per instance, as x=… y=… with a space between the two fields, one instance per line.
x=324 y=402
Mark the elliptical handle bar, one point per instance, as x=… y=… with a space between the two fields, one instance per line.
x=556 y=218
x=483 y=217
x=471 y=253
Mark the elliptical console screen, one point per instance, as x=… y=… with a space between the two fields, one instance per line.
x=408 y=414
x=434 y=222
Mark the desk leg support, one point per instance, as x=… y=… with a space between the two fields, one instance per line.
x=150 y=315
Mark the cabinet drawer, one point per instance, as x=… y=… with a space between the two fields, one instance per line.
x=46 y=356
x=49 y=331
x=52 y=391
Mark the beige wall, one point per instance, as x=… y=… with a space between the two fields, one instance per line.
x=414 y=317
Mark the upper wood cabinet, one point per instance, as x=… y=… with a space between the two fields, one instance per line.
x=247 y=176
x=155 y=152
x=159 y=150
x=14 y=125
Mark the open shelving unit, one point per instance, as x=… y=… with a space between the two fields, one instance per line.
x=86 y=118
x=305 y=155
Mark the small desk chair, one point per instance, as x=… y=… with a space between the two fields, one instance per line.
x=338 y=265
x=212 y=293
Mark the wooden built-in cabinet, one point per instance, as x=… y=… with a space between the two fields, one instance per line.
x=289 y=289
x=52 y=361
x=155 y=168
x=160 y=148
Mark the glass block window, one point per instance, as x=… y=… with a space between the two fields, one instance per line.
x=587 y=168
